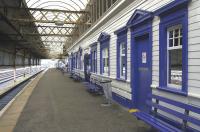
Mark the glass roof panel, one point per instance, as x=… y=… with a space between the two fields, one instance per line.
x=58 y=23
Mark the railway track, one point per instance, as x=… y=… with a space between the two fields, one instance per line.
x=11 y=93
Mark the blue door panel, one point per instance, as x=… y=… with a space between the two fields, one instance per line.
x=87 y=67
x=142 y=70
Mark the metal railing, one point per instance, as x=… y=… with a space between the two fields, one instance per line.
x=12 y=75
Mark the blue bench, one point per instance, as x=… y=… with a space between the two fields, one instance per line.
x=71 y=74
x=165 y=124
x=94 y=87
x=77 y=77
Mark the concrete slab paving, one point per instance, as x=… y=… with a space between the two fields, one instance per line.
x=58 y=104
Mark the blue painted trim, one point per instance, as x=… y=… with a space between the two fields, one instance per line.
x=79 y=54
x=138 y=17
x=121 y=100
x=177 y=104
x=122 y=30
x=172 y=90
x=76 y=60
x=103 y=37
x=175 y=123
x=172 y=7
x=120 y=79
x=175 y=113
x=169 y=19
x=80 y=50
x=121 y=37
x=93 y=44
x=92 y=52
x=183 y=116
x=144 y=27
x=104 y=40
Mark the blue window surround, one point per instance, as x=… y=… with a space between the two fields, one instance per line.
x=72 y=61
x=121 y=37
x=104 y=40
x=79 y=58
x=140 y=24
x=173 y=14
x=76 y=60
x=93 y=50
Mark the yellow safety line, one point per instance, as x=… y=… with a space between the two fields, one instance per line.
x=133 y=110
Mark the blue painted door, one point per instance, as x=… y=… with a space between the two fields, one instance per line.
x=87 y=67
x=143 y=72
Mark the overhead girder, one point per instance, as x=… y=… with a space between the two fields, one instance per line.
x=48 y=30
x=49 y=41
x=42 y=22
x=48 y=21
x=37 y=34
x=48 y=15
x=44 y=10
x=38 y=26
x=18 y=36
x=36 y=20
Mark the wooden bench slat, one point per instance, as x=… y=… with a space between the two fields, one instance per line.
x=178 y=104
x=157 y=123
x=175 y=113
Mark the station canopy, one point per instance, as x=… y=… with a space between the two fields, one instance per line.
x=56 y=20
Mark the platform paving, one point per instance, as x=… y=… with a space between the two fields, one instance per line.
x=59 y=104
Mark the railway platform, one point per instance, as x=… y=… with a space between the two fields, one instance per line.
x=53 y=102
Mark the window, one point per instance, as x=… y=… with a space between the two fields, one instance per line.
x=175 y=56
x=121 y=53
x=105 y=58
x=104 y=40
x=94 y=61
x=122 y=60
x=79 y=61
x=173 y=47
x=76 y=61
x=93 y=57
x=79 y=55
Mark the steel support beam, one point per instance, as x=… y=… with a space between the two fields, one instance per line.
x=47 y=21
x=39 y=26
x=41 y=9
x=37 y=34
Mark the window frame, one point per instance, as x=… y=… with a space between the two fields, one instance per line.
x=170 y=49
x=122 y=75
x=76 y=56
x=104 y=40
x=80 y=58
x=93 y=57
x=168 y=19
x=107 y=57
x=121 y=39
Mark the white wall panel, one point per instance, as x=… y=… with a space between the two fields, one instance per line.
x=120 y=19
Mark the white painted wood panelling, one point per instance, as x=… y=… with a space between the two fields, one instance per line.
x=118 y=21
x=155 y=50
x=194 y=48
x=98 y=58
x=129 y=55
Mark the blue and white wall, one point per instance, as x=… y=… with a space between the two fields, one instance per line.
x=112 y=21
